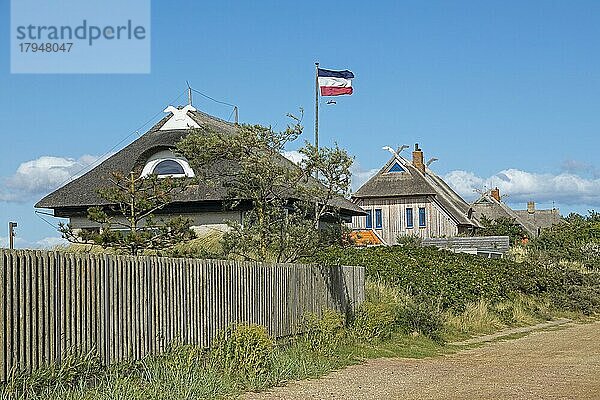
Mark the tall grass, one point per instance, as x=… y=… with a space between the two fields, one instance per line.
x=476 y=319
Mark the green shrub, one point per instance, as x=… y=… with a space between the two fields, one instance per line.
x=421 y=316
x=576 y=240
x=375 y=320
x=585 y=300
x=453 y=280
x=387 y=310
x=322 y=333
x=245 y=350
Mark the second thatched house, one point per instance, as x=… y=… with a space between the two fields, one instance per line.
x=532 y=220
x=406 y=198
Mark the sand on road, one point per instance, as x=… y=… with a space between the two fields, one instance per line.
x=559 y=364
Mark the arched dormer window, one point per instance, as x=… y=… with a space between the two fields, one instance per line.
x=167 y=164
x=168 y=167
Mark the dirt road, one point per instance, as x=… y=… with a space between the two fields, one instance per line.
x=561 y=364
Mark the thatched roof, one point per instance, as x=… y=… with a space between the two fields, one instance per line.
x=540 y=218
x=490 y=207
x=411 y=182
x=82 y=192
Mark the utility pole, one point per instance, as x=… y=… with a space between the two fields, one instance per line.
x=11 y=234
x=235 y=113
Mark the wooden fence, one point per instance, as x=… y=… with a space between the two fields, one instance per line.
x=127 y=307
x=485 y=244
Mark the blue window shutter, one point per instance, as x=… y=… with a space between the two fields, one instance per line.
x=422 y=219
x=369 y=224
x=378 y=219
x=409 y=217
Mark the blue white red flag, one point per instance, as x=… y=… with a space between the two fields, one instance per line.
x=335 y=83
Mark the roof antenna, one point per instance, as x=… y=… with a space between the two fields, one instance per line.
x=189 y=93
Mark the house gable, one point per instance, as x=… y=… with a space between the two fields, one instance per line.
x=412 y=200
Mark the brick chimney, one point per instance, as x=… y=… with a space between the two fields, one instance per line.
x=418 y=159
x=495 y=193
x=531 y=207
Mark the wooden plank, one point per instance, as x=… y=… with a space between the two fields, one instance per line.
x=114 y=309
x=128 y=292
x=72 y=303
x=121 y=307
x=192 y=286
x=22 y=313
x=12 y=313
x=143 y=307
x=105 y=310
x=207 y=303
x=46 y=301
x=95 y=315
x=188 y=333
x=89 y=311
x=80 y=298
x=139 y=275
x=162 y=298
x=3 y=306
x=157 y=326
x=39 y=310
x=61 y=296
x=49 y=307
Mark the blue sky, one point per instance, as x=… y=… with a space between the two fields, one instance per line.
x=503 y=93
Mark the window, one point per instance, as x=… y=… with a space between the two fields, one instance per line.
x=168 y=167
x=409 y=217
x=378 y=219
x=166 y=163
x=395 y=168
x=369 y=223
x=422 y=219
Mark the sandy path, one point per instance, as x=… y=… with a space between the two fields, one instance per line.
x=561 y=364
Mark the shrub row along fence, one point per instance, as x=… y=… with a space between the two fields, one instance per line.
x=127 y=307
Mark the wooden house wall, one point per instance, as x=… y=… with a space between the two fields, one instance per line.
x=438 y=223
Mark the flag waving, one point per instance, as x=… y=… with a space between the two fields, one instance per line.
x=335 y=83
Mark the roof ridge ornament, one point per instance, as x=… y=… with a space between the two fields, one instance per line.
x=180 y=118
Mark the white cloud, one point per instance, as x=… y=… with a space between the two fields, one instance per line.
x=45 y=243
x=42 y=175
x=294 y=156
x=566 y=187
x=360 y=175
x=50 y=242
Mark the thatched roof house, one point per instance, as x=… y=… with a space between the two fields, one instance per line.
x=407 y=198
x=152 y=153
x=491 y=206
